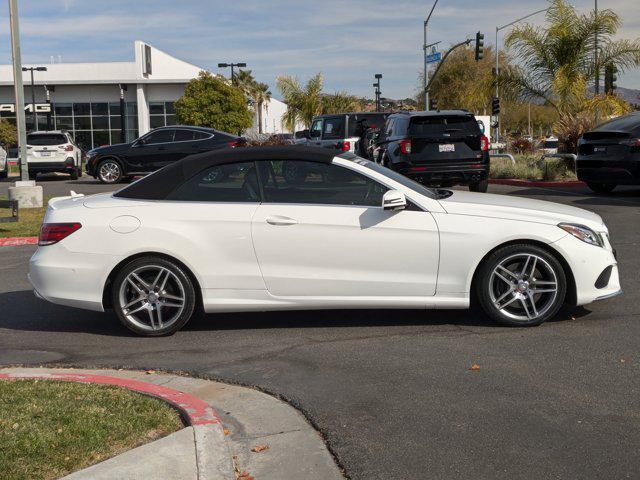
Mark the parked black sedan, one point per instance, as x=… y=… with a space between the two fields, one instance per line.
x=159 y=147
x=609 y=155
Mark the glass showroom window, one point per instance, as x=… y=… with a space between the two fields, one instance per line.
x=161 y=114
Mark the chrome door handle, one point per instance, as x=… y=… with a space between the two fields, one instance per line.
x=280 y=220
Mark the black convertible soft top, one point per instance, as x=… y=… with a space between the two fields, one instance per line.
x=159 y=184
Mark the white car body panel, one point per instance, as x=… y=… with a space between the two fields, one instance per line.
x=329 y=257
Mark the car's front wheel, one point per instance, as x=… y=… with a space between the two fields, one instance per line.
x=521 y=285
x=109 y=171
x=153 y=296
x=479 y=186
x=601 y=187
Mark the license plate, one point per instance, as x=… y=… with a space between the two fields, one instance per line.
x=45 y=154
x=599 y=149
x=446 y=147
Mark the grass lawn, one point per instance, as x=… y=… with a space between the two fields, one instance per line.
x=51 y=428
x=28 y=224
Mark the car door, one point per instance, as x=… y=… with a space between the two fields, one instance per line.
x=326 y=235
x=315 y=133
x=333 y=132
x=151 y=152
x=186 y=142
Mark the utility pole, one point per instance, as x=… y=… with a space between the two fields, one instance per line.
x=232 y=65
x=596 y=87
x=18 y=88
x=376 y=85
x=33 y=93
x=424 y=55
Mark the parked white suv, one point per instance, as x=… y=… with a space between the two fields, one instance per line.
x=53 y=151
x=4 y=163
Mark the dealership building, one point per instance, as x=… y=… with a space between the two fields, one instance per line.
x=110 y=102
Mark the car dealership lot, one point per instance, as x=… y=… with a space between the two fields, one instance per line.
x=393 y=391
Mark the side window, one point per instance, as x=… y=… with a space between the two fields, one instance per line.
x=160 y=136
x=292 y=181
x=389 y=127
x=200 y=135
x=316 y=129
x=333 y=128
x=235 y=182
x=183 y=135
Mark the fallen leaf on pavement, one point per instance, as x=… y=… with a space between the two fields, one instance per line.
x=475 y=366
x=225 y=431
x=150 y=372
x=622 y=360
x=259 y=448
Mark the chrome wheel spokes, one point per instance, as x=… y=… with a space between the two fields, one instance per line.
x=152 y=297
x=109 y=172
x=523 y=286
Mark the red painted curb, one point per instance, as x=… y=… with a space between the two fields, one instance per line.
x=17 y=241
x=197 y=411
x=529 y=183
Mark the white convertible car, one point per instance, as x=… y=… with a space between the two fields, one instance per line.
x=295 y=228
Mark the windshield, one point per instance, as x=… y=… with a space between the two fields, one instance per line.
x=401 y=179
x=437 y=125
x=46 y=139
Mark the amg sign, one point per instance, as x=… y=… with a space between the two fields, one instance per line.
x=40 y=107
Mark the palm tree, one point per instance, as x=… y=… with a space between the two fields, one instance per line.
x=302 y=103
x=556 y=62
x=340 y=102
x=260 y=95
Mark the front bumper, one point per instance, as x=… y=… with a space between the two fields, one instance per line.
x=587 y=264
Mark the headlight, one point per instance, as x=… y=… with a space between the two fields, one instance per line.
x=583 y=233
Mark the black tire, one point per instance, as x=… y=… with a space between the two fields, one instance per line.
x=480 y=186
x=4 y=174
x=33 y=175
x=74 y=174
x=123 y=291
x=601 y=187
x=109 y=171
x=488 y=285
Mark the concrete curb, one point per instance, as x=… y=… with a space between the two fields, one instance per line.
x=213 y=458
x=531 y=183
x=18 y=241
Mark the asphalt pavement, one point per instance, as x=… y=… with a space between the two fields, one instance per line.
x=393 y=392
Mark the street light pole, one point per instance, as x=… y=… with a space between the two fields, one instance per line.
x=18 y=88
x=377 y=76
x=424 y=55
x=33 y=92
x=498 y=58
x=232 y=65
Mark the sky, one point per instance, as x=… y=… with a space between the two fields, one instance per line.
x=347 y=40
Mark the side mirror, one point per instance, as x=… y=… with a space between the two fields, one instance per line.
x=394 y=200
x=141 y=142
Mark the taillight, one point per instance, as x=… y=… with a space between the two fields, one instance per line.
x=405 y=146
x=66 y=148
x=51 y=233
x=346 y=146
x=235 y=143
x=484 y=143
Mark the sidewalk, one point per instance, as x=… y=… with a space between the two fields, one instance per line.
x=226 y=422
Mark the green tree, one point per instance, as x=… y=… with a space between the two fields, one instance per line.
x=556 y=63
x=8 y=134
x=209 y=101
x=340 y=102
x=259 y=92
x=302 y=103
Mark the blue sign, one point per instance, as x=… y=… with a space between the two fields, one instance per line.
x=434 y=57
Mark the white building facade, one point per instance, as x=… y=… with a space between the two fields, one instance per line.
x=85 y=98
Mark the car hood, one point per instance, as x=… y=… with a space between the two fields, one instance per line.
x=517 y=208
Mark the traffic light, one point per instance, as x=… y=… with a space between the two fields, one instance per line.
x=495 y=106
x=479 y=46
x=610 y=78
x=433 y=104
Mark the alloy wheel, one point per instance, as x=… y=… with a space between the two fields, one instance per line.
x=109 y=172
x=523 y=287
x=152 y=297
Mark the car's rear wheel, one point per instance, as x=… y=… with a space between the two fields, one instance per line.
x=109 y=171
x=479 y=186
x=521 y=285
x=75 y=173
x=601 y=187
x=153 y=296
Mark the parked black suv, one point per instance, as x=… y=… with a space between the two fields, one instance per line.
x=609 y=155
x=158 y=148
x=347 y=132
x=436 y=148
